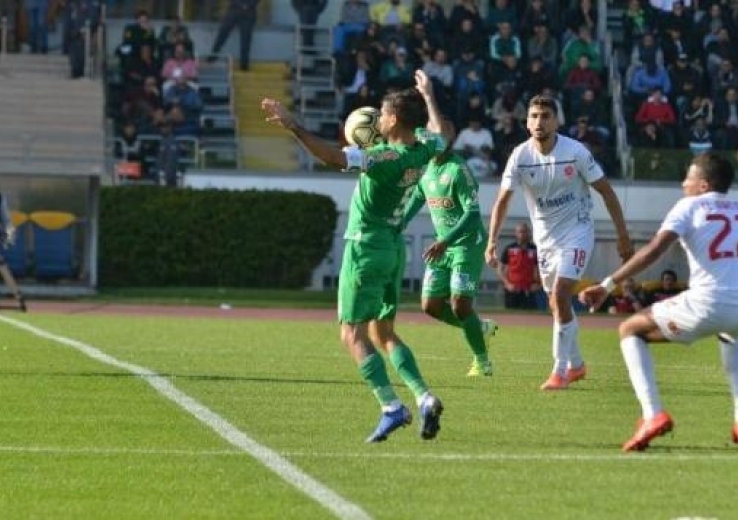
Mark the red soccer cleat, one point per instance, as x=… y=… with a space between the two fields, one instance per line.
x=555 y=382
x=576 y=374
x=735 y=433
x=648 y=430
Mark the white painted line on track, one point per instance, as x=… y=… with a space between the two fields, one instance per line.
x=323 y=495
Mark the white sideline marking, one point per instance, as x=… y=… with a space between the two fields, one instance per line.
x=446 y=457
x=325 y=496
x=527 y=457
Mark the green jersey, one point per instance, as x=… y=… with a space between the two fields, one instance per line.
x=390 y=174
x=452 y=195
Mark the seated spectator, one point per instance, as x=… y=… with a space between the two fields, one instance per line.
x=173 y=34
x=127 y=145
x=508 y=105
x=645 y=51
x=656 y=110
x=441 y=74
x=371 y=43
x=144 y=107
x=355 y=75
x=699 y=139
x=542 y=44
x=397 y=71
x=136 y=35
x=718 y=52
x=724 y=78
x=576 y=47
x=667 y=288
x=681 y=18
x=646 y=79
x=504 y=43
x=537 y=78
x=476 y=106
x=686 y=80
x=589 y=106
x=628 y=300
x=507 y=74
x=589 y=137
x=183 y=107
x=581 y=79
x=510 y=134
x=697 y=107
x=468 y=76
x=467 y=37
x=393 y=18
x=465 y=10
x=725 y=119
x=637 y=21
x=675 y=45
x=476 y=145
x=582 y=13
x=353 y=21
x=419 y=45
x=536 y=14
x=500 y=11
x=431 y=15
x=182 y=62
x=142 y=67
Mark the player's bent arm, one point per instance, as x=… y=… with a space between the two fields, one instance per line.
x=455 y=232
x=320 y=148
x=413 y=206
x=643 y=258
x=612 y=204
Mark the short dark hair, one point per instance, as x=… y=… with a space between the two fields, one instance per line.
x=670 y=273
x=543 y=101
x=716 y=170
x=409 y=107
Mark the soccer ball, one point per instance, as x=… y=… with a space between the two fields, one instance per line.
x=362 y=127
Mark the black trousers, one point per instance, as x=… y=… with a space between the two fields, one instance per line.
x=245 y=19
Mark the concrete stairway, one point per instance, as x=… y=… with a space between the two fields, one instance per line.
x=49 y=122
x=264 y=146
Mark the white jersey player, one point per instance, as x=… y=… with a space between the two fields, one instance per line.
x=705 y=222
x=555 y=173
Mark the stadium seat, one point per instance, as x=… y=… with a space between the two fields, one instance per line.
x=53 y=244
x=16 y=256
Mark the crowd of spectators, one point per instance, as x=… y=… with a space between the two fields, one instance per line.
x=484 y=67
x=159 y=95
x=680 y=74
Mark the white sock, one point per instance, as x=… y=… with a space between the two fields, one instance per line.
x=642 y=376
x=420 y=399
x=575 y=354
x=563 y=337
x=391 y=407
x=729 y=354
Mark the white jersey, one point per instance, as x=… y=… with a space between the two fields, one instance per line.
x=707 y=226
x=556 y=188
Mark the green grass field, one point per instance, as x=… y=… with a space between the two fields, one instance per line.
x=103 y=438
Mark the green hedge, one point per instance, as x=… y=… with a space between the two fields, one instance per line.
x=150 y=236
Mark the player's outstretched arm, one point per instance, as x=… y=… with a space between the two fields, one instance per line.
x=435 y=118
x=326 y=152
x=594 y=296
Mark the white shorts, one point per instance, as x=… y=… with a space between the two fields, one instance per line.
x=568 y=261
x=692 y=315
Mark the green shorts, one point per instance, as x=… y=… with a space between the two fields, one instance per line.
x=456 y=274
x=370 y=280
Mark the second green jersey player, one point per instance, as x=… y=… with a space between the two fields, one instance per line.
x=454 y=262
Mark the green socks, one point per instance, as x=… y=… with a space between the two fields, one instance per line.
x=374 y=372
x=403 y=360
x=472 y=326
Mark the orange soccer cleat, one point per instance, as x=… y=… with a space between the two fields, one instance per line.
x=576 y=374
x=648 y=430
x=735 y=433
x=555 y=382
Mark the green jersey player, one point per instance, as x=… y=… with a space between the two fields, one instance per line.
x=456 y=258
x=374 y=254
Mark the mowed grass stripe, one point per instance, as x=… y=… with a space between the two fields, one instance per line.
x=325 y=496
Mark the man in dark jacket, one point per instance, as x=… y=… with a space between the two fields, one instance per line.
x=308 y=12
x=241 y=13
